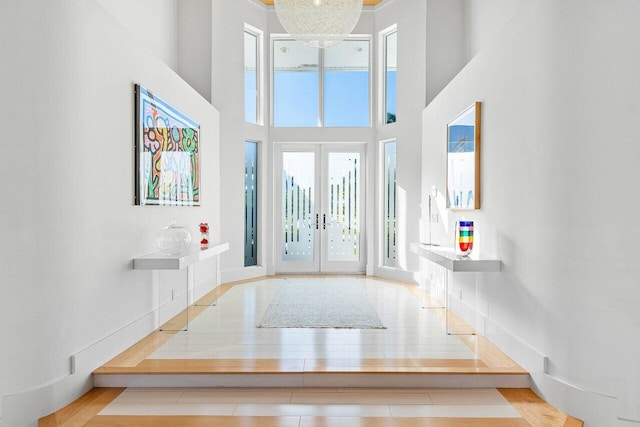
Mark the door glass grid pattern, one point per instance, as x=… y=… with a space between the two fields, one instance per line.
x=251 y=204
x=298 y=207
x=390 y=206
x=344 y=216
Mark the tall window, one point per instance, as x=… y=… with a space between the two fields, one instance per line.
x=252 y=41
x=390 y=70
x=390 y=205
x=250 y=203
x=321 y=87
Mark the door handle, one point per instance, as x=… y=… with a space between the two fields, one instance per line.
x=317 y=221
x=324 y=221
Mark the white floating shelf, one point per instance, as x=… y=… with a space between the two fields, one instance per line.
x=447 y=258
x=162 y=261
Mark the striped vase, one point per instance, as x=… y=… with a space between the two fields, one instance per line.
x=464 y=237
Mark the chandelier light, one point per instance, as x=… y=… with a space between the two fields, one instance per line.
x=318 y=23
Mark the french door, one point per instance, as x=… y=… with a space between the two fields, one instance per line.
x=320 y=208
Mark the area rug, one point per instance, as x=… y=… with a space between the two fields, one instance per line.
x=322 y=303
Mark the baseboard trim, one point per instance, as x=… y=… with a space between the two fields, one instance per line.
x=245 y=273
x=592 y=407
x=395 y=274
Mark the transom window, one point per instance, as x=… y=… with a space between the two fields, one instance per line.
x=252 y=72
x=321 y=87
x=390 y=71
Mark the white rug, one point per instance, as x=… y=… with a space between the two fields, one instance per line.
x=322 y=303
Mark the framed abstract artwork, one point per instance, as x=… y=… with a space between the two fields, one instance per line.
x=463 y=159
x=167 y=153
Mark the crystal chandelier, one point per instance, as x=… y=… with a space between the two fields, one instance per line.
x=318 y=23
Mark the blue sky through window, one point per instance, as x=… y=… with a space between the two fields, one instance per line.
x=391 y=92
x=295 y=99
x=345 y=84
x=250 y=98
x=346 y=98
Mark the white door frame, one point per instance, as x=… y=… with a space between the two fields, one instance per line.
x=320 y=262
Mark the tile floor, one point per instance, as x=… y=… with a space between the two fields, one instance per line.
x=228 y=330
x=397 y=403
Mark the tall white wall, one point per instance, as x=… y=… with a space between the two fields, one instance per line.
x=194 y=44
x=411 y=17
x=559 y=195
x=483 y=21
x=68 y=223
x=154 y=22
x=445 y=35
x=227 y=94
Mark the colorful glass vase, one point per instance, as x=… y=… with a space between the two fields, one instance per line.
x=464 y=237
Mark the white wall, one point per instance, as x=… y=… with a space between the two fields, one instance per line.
x=559 y=170
x=483 y=21
x=194 y=44
x=411 y=17
x=227 y=94
x=445 y=32
x=154 y=22
x=68 y=224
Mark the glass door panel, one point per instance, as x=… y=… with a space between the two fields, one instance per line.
x=343 y=216
x=343 y=204
x=298 y=207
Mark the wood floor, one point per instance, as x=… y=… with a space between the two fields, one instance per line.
x=533 y=410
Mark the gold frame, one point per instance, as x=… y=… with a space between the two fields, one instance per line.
x=457 y=152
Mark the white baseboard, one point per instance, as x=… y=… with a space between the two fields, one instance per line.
x=395 y=274
x=243 y=274
x=594 y=408
x=43 y=399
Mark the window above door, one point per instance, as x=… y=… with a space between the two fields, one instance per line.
x=321 y=87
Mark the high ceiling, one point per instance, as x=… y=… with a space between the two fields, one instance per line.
x=364 y=2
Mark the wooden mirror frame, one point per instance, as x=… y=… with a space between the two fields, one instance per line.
x=463 y=159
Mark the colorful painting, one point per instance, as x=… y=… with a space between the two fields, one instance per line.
x=463 y=160
x=167 y=153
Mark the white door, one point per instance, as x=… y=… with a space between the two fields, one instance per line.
x=320 y=208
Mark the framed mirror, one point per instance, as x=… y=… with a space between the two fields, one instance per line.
x=463 y=159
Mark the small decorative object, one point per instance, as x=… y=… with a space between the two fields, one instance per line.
x=464 y=237
x=463 y=160
x=204 y=235
x=173 y=239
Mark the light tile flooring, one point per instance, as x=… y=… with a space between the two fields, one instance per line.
x=228 y=330
x=371 y=403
